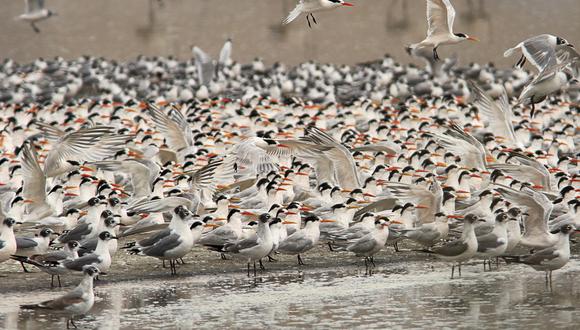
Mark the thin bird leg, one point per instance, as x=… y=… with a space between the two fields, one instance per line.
x=164 y=264
x=533 y=108
x=313 y=18
x=329 y=248
x=308 y=19
x=262 y=265
x=372 y=260
x=248 y=269
x=182 y=262
x=255 y=269
x=58 y=277
x=37 y=30
x=72 y=321
x=435 y=55
x=270 y=259
x=521 y=62
x=300 y=262
x=396 y=246
x=52 y=281
x=459 y=268
x=366 y=263
x=24 y=268
x=452 y=270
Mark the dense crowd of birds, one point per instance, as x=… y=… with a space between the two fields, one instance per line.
x=254 y=161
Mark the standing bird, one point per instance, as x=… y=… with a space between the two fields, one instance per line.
x=77 y=302
x=440 y=17
x=311 y=6
x=34 y=11
x=7 y=239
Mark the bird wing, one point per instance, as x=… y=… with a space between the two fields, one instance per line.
x=78 y=263
x=172 y=131
x=497 y=114
x=440 y=17
x=219 y=236
x=25 y=243
x=139 y=173
x=363 y=244
x=204 y=65
x=61 y=303
x=378 y=206
x=458 y=142
x=225 y=53
x=294 y=13
x=295 y=243
x=344 y=164
x=154 y=238
x=50 y=132
x=295 y=148
x=538 y=51
x=384 y=146
x=76 y=234
x=567 y=53
x=87 y=144
x=537 y=205
x=244 y=244
x=204 y=177
x=252 y=156
x=540 y=256
x=165 y=244
x=418 y=195
x=160 y=205
x=528 y=161
x=451 y=249
x=34 y=179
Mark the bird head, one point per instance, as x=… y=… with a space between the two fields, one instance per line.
x=91 y=271
x=465 y=37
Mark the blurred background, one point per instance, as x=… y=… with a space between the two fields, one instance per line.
x=123 y=29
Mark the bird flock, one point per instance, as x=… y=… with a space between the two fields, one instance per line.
x=255 y=161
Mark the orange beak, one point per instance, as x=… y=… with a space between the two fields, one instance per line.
x=472 y=39
x=327 y=220
x=347 y=4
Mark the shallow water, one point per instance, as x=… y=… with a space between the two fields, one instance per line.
x=395 y=296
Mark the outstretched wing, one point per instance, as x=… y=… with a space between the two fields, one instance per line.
x=440 y=17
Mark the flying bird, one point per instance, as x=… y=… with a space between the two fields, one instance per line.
x=440 y=17
x=34 y=11
x=311 y=6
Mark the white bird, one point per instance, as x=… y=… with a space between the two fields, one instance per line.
x=34 y=11
x=440 y=17
x=310 y=6
x=77 y=302
x=7 y=239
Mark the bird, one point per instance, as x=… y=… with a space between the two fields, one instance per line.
x=440 y=18
x=78 y=301
x=368 y=245
x=173 y=246
x=7 y=239
x=27 y=246
x=49 y=261
x=551 y=258
x=304 y=239
x=34 y=12
x=462 y=249
x=311 y=6
x=254 y=248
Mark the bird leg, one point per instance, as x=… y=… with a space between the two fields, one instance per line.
x=533 y=108
x=182 y=262
x=313 y=18
x=300 y=262
x=521 y=62
x=37 y=30
x=255 y=269
x=372 y=260
x=308 y=19
x=52 y=281
x=58 y=277
x=223 y=256
x=396 y=246
x=435 y=55
x=262 y=265
x=452 y=270
x=270 y=259
x=72 y=322
x=329 y=248
x=24 y=267
x=248 y=269
x=459 y=269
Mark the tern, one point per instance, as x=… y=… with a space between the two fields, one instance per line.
x=77 y=302
x=440 y=17
x=310 y=6
x=304 y=239
x=35 y=12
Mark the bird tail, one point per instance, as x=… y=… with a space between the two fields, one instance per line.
x=129 y=245
x=293 y=14
x=35 y=306
x=26 y=260
x=217 y=248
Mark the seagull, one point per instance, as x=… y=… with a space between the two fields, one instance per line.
x=256 y=247
x=440 y=17
x=311 y=6
x=27 y=246
x=551 y=258
x=540 y=50
x=77 y=302
x=173 y=246
x=7 y=239
x=47 y=262
x=462 y=249
x=35 y=12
